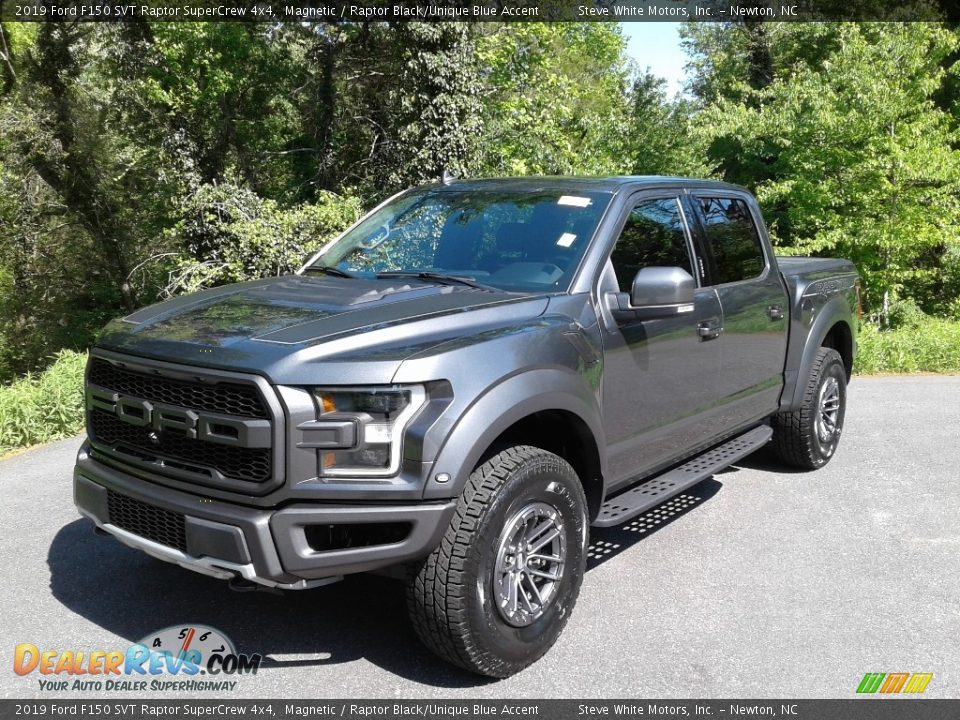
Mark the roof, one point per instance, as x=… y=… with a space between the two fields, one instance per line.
x=602 y=184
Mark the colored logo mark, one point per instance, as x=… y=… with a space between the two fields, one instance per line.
x=890 y=683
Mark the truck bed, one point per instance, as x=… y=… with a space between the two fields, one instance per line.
x=803 y=270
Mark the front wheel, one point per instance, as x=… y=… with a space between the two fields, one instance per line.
x=497 y=592
x=807 y=438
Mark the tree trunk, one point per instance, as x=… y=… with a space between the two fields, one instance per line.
x=67 y=166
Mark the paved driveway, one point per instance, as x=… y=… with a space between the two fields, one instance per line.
x=757 y=583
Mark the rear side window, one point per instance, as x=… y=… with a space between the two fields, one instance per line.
x=654 y=236
x=733 y=245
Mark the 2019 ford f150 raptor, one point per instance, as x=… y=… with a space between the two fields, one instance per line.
x=459 y=386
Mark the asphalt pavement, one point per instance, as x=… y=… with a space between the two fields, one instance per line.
x=760 y=582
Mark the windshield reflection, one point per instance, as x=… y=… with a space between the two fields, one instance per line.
x=511 y=240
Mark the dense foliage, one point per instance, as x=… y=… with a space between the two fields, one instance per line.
x=926 y=344
x=143 y=160
x=43 y=407
x=840 y=135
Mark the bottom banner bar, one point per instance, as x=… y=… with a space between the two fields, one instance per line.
x=854 y=709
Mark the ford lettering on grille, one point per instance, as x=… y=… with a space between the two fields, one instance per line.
x=219 y=434
x=208 y=427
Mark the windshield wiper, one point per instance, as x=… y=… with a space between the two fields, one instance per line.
x=438 y=277
x=329 y=270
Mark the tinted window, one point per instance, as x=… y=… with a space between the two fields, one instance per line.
x=653 y=236
x=733 y=246
x=527 y=240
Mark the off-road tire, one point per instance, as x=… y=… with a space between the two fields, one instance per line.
x=795 y=438
x=450 y=596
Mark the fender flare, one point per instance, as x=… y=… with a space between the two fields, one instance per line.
x=509 y=401
x=837 y=310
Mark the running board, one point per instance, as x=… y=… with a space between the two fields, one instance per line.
x=649 y=493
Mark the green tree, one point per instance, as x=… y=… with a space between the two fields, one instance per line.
x=63 y=180
x=440 y=116
x=141 y=159
x=381 y=105
x=230 y=234
x=849 y=154
x=658 y=135
x=555 y=101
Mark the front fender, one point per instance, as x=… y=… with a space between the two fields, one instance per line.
x=509 y=401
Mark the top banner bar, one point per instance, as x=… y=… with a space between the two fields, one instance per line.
x=333 y=11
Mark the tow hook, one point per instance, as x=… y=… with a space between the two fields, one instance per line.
x=239 y=584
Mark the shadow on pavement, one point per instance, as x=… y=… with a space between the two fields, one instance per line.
x=607 y=543
x=765 y=460
x=130 y=594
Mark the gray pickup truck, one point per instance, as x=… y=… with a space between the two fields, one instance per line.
x=458 y=387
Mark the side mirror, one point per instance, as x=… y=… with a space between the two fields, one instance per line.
x=656 y=292
x=662 y=286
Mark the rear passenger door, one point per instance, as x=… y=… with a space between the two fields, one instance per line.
x=753 y=300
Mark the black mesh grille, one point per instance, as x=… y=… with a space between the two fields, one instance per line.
x=153 y=523
x=224 y=398
x=251 y=464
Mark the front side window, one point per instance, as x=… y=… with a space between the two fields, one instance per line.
x=733 y=246
x=654 y=236
x=517 y=240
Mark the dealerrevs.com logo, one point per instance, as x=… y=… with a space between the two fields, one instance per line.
x=188 y=658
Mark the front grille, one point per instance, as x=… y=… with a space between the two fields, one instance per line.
x=223 y=398
x=170 y=451
x=251 y=464
x=153 y=523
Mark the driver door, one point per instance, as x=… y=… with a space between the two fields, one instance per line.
x=661 y=395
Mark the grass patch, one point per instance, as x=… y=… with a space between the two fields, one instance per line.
x=927 y=344
x=44 y=406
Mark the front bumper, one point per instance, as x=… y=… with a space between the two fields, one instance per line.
x=226 y=540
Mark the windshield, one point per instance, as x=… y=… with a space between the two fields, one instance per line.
x=515 y=240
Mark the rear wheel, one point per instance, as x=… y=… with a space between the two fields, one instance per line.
x=807 y=438
x=497 y=592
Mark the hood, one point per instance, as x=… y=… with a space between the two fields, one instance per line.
x=280 y=327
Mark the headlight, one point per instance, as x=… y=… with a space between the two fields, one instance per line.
x=379 y=416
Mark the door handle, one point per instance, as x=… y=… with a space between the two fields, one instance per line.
x=709 y=329
x=775 y=312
